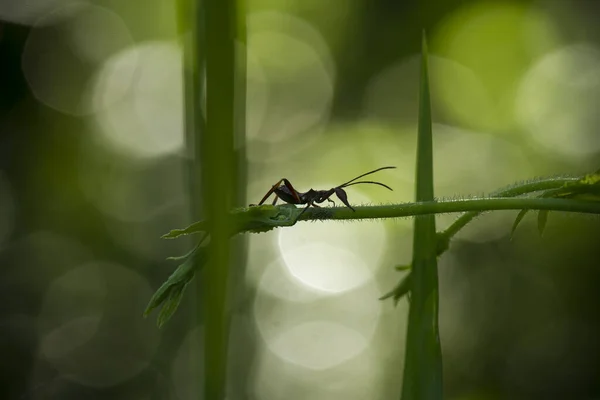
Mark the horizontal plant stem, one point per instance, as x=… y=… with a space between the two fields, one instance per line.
x=529 y=187
x=266 y=217
x=451 y=206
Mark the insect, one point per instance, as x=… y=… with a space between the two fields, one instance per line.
x=285 y=191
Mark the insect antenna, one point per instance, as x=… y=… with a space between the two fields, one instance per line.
x=349 y=183
x=372 y=182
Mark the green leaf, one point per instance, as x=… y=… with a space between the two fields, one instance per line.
x=171 y=304
x=400 y=290
x=592 y=179
x=189 y=253
x=423 y=356
x=542 y=220
x=170 y=292
x=586 y=188
x=254 y=219
x=196 y=227
x=264 y=218
x=517 y=222
x=403 y=267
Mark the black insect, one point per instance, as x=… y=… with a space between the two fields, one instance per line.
x=285 y=191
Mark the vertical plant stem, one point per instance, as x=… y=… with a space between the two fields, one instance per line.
x=423 y=358
x=218 y=182
x=241 y=369
x=191 y=30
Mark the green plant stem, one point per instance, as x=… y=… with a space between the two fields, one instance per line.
x=529 y=187
x=451 y=206
x=218 y=188
x=265 y=218
x=269 y=217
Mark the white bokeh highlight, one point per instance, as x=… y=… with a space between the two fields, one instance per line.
x=277 y=282
x=326 y=267
x=147 y=119
x=275 y=378
x=333 y=257
x=557 y=101
x=311 y=328
x=318 y=345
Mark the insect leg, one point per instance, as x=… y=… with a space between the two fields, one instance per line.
x=270 y=192
x=288 y=185
x=305 y=208
x=294 y=192
x=341 y=194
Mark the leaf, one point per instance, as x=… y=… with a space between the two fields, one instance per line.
x=423 y=356
x=542 y=220
x=264 y=218
x=517 y=222
x=171 y=304
x=189 y=253
x=400 y=290
x=171 y=291
x=591 y=179
x=586 y=188
x=196 y=227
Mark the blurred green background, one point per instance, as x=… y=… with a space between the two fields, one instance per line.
x=92 y=172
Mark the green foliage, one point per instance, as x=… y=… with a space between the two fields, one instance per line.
x=169 y=293
x=520 y=216
x=249 y=219
x=400 y=290
x=559 y=194
x=423 y=354
x=586 y=188
x=212 y=143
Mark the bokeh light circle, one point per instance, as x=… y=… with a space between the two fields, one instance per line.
x=558 y=98
x=326 y=344
x=391 y=94
x=63 y=49
x=89 y=324
x=28 y=12
x=299 y=96
x=355 y=379
x=141 y=198
x=277 y=282
x=291 y=76
x=497 y=41
x=147 y=119
x=333 y=257
x=310 y=329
